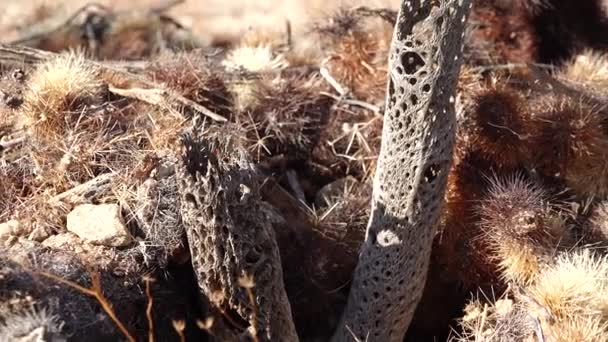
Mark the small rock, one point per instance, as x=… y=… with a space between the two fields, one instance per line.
x=99 y=224
x=66 y=242
x=12 y=228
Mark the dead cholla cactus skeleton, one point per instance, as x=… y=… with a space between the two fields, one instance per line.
x=232 y=243
x=418 y=135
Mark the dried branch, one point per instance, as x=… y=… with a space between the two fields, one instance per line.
x=96 y=292
x=21 y=55
x=85 y=191
x=148 y=280
x=388 y=15
x=11 y=143
x=162 y=98
x=180 y=326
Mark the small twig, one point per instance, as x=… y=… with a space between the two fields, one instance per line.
x=292 y=179
x=165 y=6
x=10 y=143
x=148 y=280
x=518 y=135
x=96 y=292
x=332 y=81
x=353 y=102
x=538 y=329
x=85 y=191
x=509 y=66
x=19 y=55
x=388 y=15
x=288 y=33
x=362 y=104
x=162 y=97
x=180 y=326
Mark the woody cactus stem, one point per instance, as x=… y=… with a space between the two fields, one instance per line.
x=409 y=185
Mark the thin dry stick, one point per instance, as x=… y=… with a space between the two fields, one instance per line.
x=96 y=292
x=510 y=66
x=353 y=102
x=85 y=191
x=206 y=325
x=19 y=55
x=148 y=280
x=248 y=283
x=332 y=81
x=11 y=143
x=180 y=326
x=390 y=16
x=165 y=5
x=161 y=97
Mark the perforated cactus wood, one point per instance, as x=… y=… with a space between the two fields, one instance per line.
x=233 y=246
x=418 y=134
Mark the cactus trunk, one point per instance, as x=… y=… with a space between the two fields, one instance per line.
x=410 y=180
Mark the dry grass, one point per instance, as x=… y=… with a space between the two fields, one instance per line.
x=500 y=320
x=500 y=231
x=285 y=117
x=73 y=132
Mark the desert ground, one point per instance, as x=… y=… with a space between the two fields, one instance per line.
x=207 y=171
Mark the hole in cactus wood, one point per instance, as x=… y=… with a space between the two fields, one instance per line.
x=411 y=62
x=431 y=173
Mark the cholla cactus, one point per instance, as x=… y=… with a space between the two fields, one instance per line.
x=418 y=135
x=232 y=243
x=566 y=302
x=31 y=325
x=519 y=228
